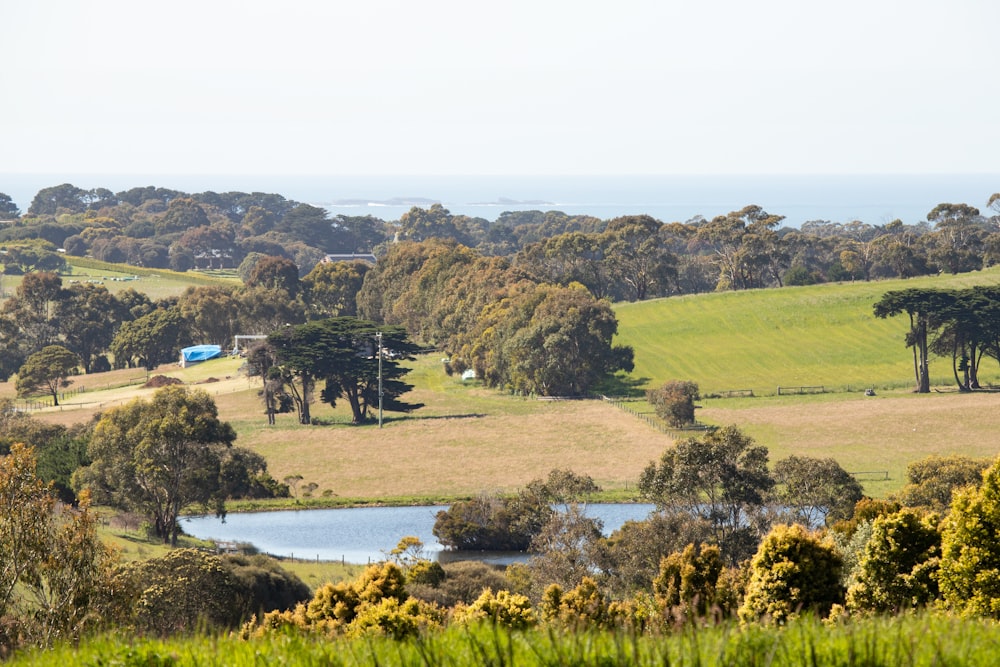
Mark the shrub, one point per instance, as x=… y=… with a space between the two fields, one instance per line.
x=332 y=606
x=898 y=565
x=268 y=586
x=185 y=590
x=463 y=582
x=933 y=479
x=394 y=618
x=503 y=608
x=427 y=572
x=970 y=549
x=631 y=556
x=674 y=402
x=380 y=581
x=687 y=580
x=866 y=510
x=581 y=607
x=492 y=522
x=377 y=600
x=793 y=571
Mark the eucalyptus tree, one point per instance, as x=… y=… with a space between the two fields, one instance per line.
x=47 y=370
x=159 y=456
x=88 y=316
x=722 y=478
x=745 y=247
x=547 y=340
x=331 y=288
x=956 y=242
x=637 y=259
x=150 y=340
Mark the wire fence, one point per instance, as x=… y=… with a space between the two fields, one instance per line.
x=651 y=418
x=35 y=403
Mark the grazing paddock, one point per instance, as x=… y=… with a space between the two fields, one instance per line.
x=820 y=335
x=867 y=433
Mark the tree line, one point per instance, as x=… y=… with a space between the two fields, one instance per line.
x=514 y=331
x=627 y=258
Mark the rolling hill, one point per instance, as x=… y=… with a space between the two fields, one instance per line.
x=794 y=336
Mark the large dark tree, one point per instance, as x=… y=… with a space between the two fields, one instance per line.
x=275 y=273
x=344 y=353
x=307 y=223
x=48 y=201
x=332 y=287
x=151 y=340
x=547 y=340
x=47 y=370
x=925 y=309
x=212 y=313
x=8 y=209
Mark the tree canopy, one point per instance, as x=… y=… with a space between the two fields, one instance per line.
x=963 y=325
x=343 y=352
x=47 y=369
x=721 y=477
x=160 y=455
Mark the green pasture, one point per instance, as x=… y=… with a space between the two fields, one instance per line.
x=156 y=283
x=820 y=335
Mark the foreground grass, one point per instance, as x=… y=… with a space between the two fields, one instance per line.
x=896 y=642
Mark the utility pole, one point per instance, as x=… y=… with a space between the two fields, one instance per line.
x=378 y=337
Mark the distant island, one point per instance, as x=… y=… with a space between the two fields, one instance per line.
x=425 y=201
x=392 y=201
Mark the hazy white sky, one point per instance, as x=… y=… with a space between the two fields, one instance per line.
x=515 y=87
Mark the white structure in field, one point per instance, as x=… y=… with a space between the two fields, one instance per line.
x=237 y=339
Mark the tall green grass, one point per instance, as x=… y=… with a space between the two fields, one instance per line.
x=897 y=642
x=821 y=335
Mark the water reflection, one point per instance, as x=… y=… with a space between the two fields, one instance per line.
x=362 y=534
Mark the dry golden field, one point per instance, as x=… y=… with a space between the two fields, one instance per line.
x=467 y=439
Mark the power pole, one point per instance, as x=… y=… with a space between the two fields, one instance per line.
x=378 y=337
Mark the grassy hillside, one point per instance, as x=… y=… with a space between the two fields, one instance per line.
x=760 y=339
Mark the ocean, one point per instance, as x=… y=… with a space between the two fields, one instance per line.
x=874 y=199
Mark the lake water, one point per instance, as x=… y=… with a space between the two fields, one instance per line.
x=355 y=535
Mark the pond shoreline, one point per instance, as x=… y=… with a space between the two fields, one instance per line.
x=293 y=504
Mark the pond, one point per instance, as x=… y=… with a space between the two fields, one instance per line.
x=361 y=534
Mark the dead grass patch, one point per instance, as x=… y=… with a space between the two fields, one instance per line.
x=882 y=433
x=463 y=454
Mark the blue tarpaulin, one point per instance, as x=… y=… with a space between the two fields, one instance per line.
x=196 y=353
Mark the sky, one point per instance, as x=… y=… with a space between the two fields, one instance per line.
x=518 y=87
